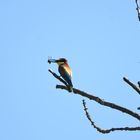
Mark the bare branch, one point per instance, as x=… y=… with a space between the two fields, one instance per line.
x=138 y=9
x=60 y=79
x=105 y=131
x=102 y=102
x=57 y=77
x=139 y=84
x=132 y=85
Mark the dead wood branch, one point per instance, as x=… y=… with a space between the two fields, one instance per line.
x=101 y=102
x=105 y=131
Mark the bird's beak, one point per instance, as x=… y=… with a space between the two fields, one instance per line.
x=52 y=61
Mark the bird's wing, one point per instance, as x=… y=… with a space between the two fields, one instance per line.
x=65 y=74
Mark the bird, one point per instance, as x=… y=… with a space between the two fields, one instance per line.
x=64 y=70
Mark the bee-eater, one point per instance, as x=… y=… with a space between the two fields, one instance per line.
x=64 y=70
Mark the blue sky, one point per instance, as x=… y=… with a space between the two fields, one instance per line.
x=100 y=39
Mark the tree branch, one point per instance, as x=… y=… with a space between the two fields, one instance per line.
x=57 y=77
x=105 y=131
x=60 y=79
x=138 y=9
x=96 y=99
x=137 y=89
x=102 y=102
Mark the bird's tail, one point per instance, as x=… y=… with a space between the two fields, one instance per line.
x=70 y=86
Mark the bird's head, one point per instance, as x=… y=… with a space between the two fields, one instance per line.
x=59 y=61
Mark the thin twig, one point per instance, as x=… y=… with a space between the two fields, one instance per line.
x=60 y=79
x=132 y=85
x=105 y=131
x=57 y=77
x=138 y=9
x=136 y=88
x=139 y=84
